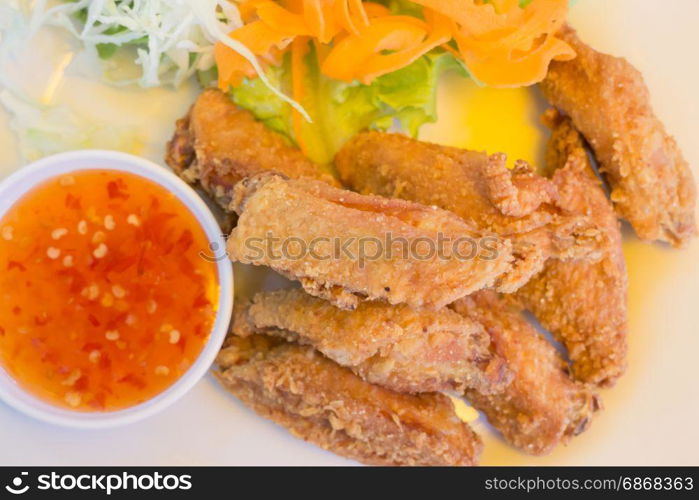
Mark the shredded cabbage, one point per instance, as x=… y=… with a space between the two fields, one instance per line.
x=43 y=129
x=165 y=41
x=173 y=39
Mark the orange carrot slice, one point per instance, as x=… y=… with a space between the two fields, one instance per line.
x=259 y=38
x=501 y=43
x=386 y=33
x=374 y=9
x=299 y=49
x=381 y=64
x=351 y=16
x=358 y=11
x=504 y=71
x=313 y=13
x=280 y=19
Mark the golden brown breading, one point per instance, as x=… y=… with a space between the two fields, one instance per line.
x=393 y=346
x=582 y=303
x=607 y=99
x=343 y=246
x=516 y=204
x=325 y=404
x=463 y=181
x=217 y=144
x=475 y=186
x=542 y=407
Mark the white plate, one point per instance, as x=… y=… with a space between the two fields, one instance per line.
x=650 y=417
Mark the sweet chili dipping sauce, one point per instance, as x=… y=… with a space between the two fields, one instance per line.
x=105 y=300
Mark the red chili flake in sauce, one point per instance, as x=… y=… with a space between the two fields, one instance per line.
x=117 y=189
x=109 y=263
x=72 y=202
x=15 y=265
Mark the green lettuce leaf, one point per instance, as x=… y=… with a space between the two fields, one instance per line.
x=255 y=96
x=404 y=99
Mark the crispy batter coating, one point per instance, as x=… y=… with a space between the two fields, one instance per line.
x=328 y=405
x=607 y=99
x=582 y=303
x=542 y=407
x=516 y=204
x=474 y=185
x=217 y=144
x=342 y=246
x=393 y=346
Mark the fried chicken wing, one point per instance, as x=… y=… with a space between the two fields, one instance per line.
x=474 y=185
x=607 y=99
x=328 y=405
x=582 y=303
x=393 y=346
x=542 y=407
x=217 y=144
x=343 y=246
x=516 y=204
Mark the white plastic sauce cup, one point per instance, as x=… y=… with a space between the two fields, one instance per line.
x=18 y=184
